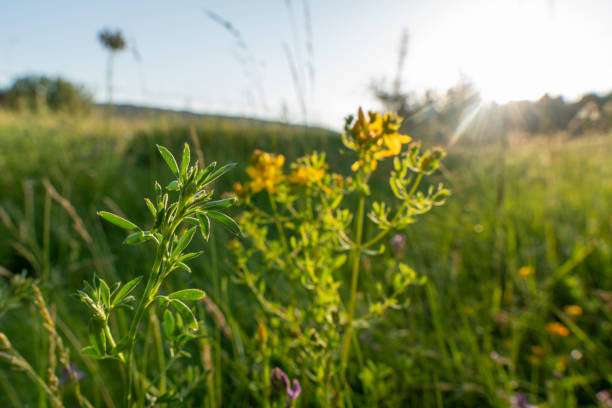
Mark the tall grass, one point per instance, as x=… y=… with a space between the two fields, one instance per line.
x=474 y=335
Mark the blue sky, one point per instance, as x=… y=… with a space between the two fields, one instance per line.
x=511 y=49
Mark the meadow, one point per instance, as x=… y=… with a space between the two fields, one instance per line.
x=511 y=304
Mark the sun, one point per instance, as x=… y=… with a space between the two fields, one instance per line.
x=513 y=50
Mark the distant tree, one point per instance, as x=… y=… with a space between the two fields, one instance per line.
x=114 y=42
x=40 y=93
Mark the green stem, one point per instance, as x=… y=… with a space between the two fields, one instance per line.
x=142 y=305
x=346 y=342
x=279 y=228
x=161 y=359
x=153 y=284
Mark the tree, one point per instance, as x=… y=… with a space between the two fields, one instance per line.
x=40 y=94
x=114 y=43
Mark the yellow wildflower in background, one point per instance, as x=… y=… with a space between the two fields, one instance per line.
x=239 y=189
x=266 y=171
x=373 y=138
x=573 y=310
x=557 y=329
x=306 y=175
x=309 y=171
x=526 y=271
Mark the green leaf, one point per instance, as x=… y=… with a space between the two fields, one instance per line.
x=218 y=204
x=183 y=241
x=206 y=171
x=204 y=226
x=120 y=347
x=173 y=185
x=169 y=323
x=188 y=256
x=125 y=290
x=440 y=197
x=118 y=221
x=104 y=293
x=179 y=322
x=226 y=220
x=90 y=351
x=151 y=207
x=221 y=171
x=186 y=312
x=184 y=266
x=185 y=162
x=97 y=336
x=187 y=294
x=137 y=238
x=169 y=158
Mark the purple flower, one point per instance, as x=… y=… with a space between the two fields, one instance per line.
x=66 y=376
x=294 y=391
x=520 y=401
x=605 y=398
x=398 y=243
x=280 y=382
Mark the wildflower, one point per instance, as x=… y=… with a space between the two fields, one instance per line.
x=398 y=243
x=240 y=190
x=338 y=180
x=66 y=375
x=520 y=401
x=499 y=359
x=266 y=171
x=605 y=398
x=374 y=138
x=573 y=310
x=306 y=175
x=576 y=354
x=280 y=380
x=557 y=329
x=526 y=271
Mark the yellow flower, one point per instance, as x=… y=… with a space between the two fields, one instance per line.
x=266 y=171
x=239 y=189
x=526 y=271
x=573 y=310
x=306 y=175
x=557 y=329
x=374 y=138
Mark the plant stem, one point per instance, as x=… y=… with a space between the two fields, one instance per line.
x=346 y=341
x=142 y=305
x=281 y=232
x=159 y=347
x=384 y=232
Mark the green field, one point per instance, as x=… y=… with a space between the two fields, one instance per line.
x=476 y=334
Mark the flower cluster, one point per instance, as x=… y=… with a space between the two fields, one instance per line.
x=373 y=138
x=266 y=172
x=309 y=171
x=306 y=175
